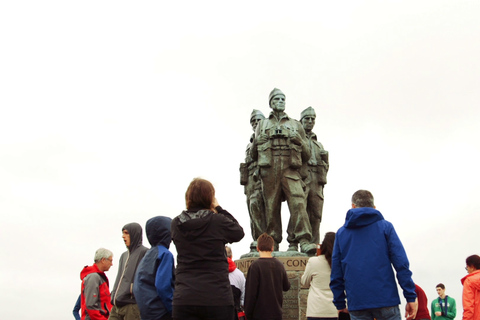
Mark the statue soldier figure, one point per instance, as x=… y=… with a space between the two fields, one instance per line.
x=253 y=187
x=280 y=148
x=317 y=168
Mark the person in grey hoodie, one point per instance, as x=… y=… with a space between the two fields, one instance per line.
x=124 y=303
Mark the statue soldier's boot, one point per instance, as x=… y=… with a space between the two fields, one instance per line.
x=253 y=246
x=308 y=248
x=292 y=247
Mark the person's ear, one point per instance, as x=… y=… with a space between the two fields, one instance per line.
x=353 y=206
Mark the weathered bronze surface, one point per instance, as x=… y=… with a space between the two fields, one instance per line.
x=285 y=162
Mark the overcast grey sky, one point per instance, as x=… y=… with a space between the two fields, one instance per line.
x=109 y=109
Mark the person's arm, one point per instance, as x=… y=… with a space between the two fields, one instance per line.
x=76 y=308
x=452 y=310
x=432 y=310
x=242 y=297
x=337 y=282
x=117 y=279
x=231 y=229
x=399 y=260
x=307 y=275
x=468 y=300
x=164 y=282
x=92 y=297
x=251 y=291
x=286 y=282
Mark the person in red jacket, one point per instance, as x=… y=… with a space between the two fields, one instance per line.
x=95 y=296
x=422 y=311
x=471 y=289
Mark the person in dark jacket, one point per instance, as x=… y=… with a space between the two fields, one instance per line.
x=123 y=301
x=202 y=287
x=77 y=308
x=266 y=282
x=154 y=281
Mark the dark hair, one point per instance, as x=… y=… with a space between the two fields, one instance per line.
x=473 y=261
x=265 y=242
x=200 y=194
x=363 y=198
x=440 y=285
x=327 y=246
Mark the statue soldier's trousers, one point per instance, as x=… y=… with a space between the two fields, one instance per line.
x=256 y=209
x=280 y=182
x=315 y=198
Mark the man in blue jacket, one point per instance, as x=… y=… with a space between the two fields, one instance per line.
x=154 y=281
x=365 y=249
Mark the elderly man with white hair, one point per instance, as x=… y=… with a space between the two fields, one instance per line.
x=95 y=294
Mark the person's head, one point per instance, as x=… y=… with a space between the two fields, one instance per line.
x=103 y=259
x=362 y=199
x=440 y=290
x=473 y=263
x=200 y=194
x=307 y=118
x=132 y=235
x=326 y=247
x=277 y=100
x=157 y=230
x=255 y=118
x=265 y=243
x=228 y=250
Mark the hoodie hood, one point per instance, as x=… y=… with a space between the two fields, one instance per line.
x=135 y=232
x=158 y=231
x=193 y=224
x=361 y=217
x=231 y=265
x=89 y=269
x=475 y=279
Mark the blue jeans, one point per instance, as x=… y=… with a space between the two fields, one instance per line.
x=387 y=313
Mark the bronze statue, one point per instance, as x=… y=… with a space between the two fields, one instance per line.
x=253 y=186
x=280 y=148
x=316 y=168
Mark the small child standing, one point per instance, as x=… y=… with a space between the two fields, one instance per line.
x=266 y=281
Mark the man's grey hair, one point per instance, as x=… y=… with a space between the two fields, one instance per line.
x=229 y=251
x=102 y=253
x=362 y=199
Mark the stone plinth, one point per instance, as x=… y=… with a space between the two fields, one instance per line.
x=295 y=299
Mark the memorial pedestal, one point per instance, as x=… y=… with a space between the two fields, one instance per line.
x=295 y=299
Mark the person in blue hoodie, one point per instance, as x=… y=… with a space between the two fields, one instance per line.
x=154 y=281
x=365 y=249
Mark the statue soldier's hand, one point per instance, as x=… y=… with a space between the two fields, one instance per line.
x=295 y=138
x=262 y=138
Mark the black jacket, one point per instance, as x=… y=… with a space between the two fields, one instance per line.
x=201 y=276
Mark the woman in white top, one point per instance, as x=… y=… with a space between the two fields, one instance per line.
x=317 y=277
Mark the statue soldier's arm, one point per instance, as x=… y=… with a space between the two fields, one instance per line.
x=306 y=153
x=260 y=138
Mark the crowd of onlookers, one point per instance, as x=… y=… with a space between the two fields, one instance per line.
x=352 y=277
